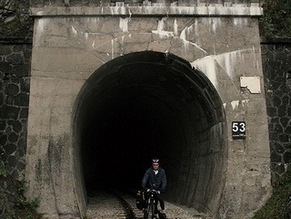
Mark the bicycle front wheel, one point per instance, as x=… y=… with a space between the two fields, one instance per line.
x=150 y=211
x=145 y=214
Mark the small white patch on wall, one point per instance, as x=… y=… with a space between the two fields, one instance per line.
x=160 y=30
x=235 y=104
x=123 y=24
x=175 y=27
x=208 y=66
x=119 y=8
x=251 y=83
x=241 y=22
x=40 y=26
x=75 y=32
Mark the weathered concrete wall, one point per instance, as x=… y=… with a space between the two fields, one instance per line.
x=41 y=3
x=277 y=72
x=67 y=50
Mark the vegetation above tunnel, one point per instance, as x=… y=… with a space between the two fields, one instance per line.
x=276 y=21
x=15 y=21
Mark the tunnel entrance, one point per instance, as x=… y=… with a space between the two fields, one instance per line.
x=147 y=104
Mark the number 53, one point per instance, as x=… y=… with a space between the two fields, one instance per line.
x=238 y=126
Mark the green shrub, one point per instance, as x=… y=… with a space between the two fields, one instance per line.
x=276 y=21
x=15 y=20
x=13 y=204
x=2 y=170
x=276 y=206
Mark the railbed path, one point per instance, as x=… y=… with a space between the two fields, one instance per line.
x=107 y=205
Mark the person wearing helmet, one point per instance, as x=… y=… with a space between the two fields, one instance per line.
x=155 y=178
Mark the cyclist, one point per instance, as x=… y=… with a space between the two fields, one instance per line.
x=155 y=178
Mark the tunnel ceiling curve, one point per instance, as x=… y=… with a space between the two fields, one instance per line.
x=147 y=104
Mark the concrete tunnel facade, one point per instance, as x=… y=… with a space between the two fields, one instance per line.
x=115 y=87
x=148 y=104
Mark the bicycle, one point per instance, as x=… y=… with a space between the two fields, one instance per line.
x=151 y=207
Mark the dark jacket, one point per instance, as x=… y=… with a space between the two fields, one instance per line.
x=152 y=181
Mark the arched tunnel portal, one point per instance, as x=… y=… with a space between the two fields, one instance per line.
x=147 y=104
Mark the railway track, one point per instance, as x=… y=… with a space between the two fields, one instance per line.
x=121 y=205
x=112 y=205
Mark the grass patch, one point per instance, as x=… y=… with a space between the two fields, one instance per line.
x=277 y=206
x=13 y=203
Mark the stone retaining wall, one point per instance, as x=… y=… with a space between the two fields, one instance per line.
x=276 y=56
x=14 y=99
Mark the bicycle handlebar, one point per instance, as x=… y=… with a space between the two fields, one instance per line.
x=153 y=191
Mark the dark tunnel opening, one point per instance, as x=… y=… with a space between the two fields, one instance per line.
x=148 y=104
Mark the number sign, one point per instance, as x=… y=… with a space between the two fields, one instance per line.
x=238 y=130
